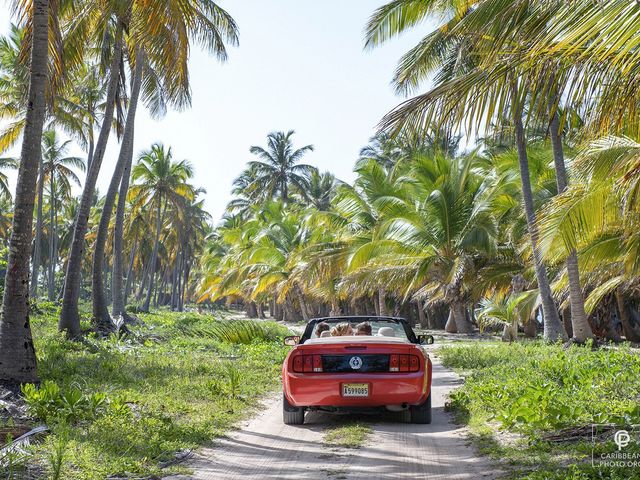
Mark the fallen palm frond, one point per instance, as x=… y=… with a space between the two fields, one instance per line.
x=236 y=331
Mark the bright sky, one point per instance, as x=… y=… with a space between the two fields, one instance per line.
x=300 y=65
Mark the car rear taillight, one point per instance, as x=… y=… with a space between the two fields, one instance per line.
x=307 y=363
x=394 y=363
x=403 y=363
x=317 y=363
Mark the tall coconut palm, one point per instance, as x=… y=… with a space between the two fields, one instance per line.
x=278 y=171
x=101 y=317
x=159 y=182
x=58 y=173
x=174 y=31
x=431 y=244
x=69 y=316
x=54 y=166
x=597 y=217
x=508 y=88
x=158 y=92
x=17 y=353
x=322 y=189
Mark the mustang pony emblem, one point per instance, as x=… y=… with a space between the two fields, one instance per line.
x=356 y=363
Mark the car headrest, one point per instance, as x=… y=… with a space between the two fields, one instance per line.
x=325 y=334
x=386 y=332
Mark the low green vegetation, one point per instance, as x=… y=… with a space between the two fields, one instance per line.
x=534 y=404
x=351 y=435
x=128 y=406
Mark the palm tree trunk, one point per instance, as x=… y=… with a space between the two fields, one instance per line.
x=91 y=147
x=129 y=283
x=382 y=301
x=52 y=239
x=120 y=295
x=69 y=317
x=17 y=354
x=579 y=320
x=143 y=281
x=553 y=328
x=336 y=311
x=37 y=244
x=184 y=291
x=154 y=256
x=303 y=303
x=421 y=316
x=460 y=319
x=101 y=318
x=630 y=328
x=450 y=326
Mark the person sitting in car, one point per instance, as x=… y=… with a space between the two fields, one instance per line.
x=322 y=327
x=363 y=328
x=341 y=330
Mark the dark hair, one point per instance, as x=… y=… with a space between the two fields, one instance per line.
x=322 y=327
x=364 y=327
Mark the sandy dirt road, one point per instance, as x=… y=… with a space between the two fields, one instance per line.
x=265 y=448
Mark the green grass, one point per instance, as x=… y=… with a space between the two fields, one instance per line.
x=516 y=395
x=125 y=406
x=352 y=435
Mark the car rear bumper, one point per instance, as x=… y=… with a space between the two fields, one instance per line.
x=325 y=389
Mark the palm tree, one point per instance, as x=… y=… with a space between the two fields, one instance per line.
x=69 y=316
x=17 y=354
x=59 y=175
x=278 y=171
x=322 y=189
x=505 y=86
x=6 y=163
x=189 y=228
x=432 y=243
x=101 y=317
x=159 y=182
x=158 y=91
x=597 y=217
x=510 y=311
x=53 y=166
x=14 y=80
x=168 y=49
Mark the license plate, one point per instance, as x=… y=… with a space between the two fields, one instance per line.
x=355 y=389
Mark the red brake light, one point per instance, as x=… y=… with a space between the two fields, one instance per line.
x=414 y=363
x=317 y=363
x=404 y=363
x=308 y=363
x=394 y=363
x=297 y=364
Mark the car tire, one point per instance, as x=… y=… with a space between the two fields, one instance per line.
x=291 y=415
x=421 y=413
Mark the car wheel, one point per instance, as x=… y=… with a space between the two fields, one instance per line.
x=421 y=413
x=291 y=415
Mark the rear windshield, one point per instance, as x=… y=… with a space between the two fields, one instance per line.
x=343 y=326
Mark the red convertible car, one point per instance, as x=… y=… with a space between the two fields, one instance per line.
x=336 y=366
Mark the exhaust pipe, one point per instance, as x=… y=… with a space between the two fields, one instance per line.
x=397 y=408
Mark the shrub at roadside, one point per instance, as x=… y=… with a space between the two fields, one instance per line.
x=535 y=390
x=126 y=406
